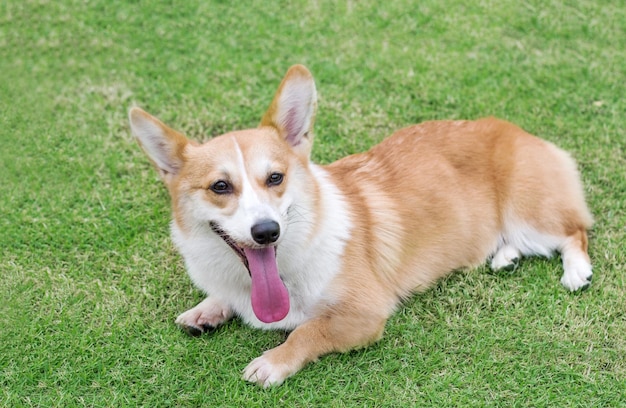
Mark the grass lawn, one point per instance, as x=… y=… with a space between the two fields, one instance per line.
x=91 y=284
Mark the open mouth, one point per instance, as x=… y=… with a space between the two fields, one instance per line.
x=268 y=294
x=231 y=243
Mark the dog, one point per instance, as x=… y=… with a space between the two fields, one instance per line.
x=329 y=252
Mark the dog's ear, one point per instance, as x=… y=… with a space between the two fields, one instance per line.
x=292 y=112
x=164 y=146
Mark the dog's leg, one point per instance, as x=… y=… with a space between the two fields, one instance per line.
x=506 y=258
x=205 y=317
x=576 y=262
x=322 y=335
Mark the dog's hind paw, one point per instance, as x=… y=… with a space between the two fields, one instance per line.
x=577 y=275
x=505 y=259
x=203 y=318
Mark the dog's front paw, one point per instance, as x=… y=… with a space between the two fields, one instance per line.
x=203 y=318
x=266 y=373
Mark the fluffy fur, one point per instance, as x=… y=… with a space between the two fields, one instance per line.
x=353 y=238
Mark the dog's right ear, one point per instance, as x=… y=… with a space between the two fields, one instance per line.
x=163 y=145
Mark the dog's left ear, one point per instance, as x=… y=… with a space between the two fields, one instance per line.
x=292 y=112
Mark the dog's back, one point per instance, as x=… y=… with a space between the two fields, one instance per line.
x=445 y=195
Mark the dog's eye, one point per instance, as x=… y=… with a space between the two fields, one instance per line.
x=275 y=179
x=221 y=187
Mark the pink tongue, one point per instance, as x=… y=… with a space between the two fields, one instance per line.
x=270 y=299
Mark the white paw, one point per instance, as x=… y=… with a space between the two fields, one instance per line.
x=577 y=274
x=505 y=258
x=206 y=316
x=264 y=373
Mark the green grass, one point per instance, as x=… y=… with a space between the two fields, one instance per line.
x=91 y=284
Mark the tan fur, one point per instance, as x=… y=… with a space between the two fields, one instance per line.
x=466 y=177
x=428 y=200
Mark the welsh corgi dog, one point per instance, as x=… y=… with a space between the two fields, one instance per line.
x=328 y=252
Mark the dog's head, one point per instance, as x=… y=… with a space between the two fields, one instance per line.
x=243 y=185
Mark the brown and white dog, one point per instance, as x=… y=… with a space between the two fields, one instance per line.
x=328 y=252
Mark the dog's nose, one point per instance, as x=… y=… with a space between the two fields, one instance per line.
x=265 y=232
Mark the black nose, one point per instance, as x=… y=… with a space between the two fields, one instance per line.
x=265 y=232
